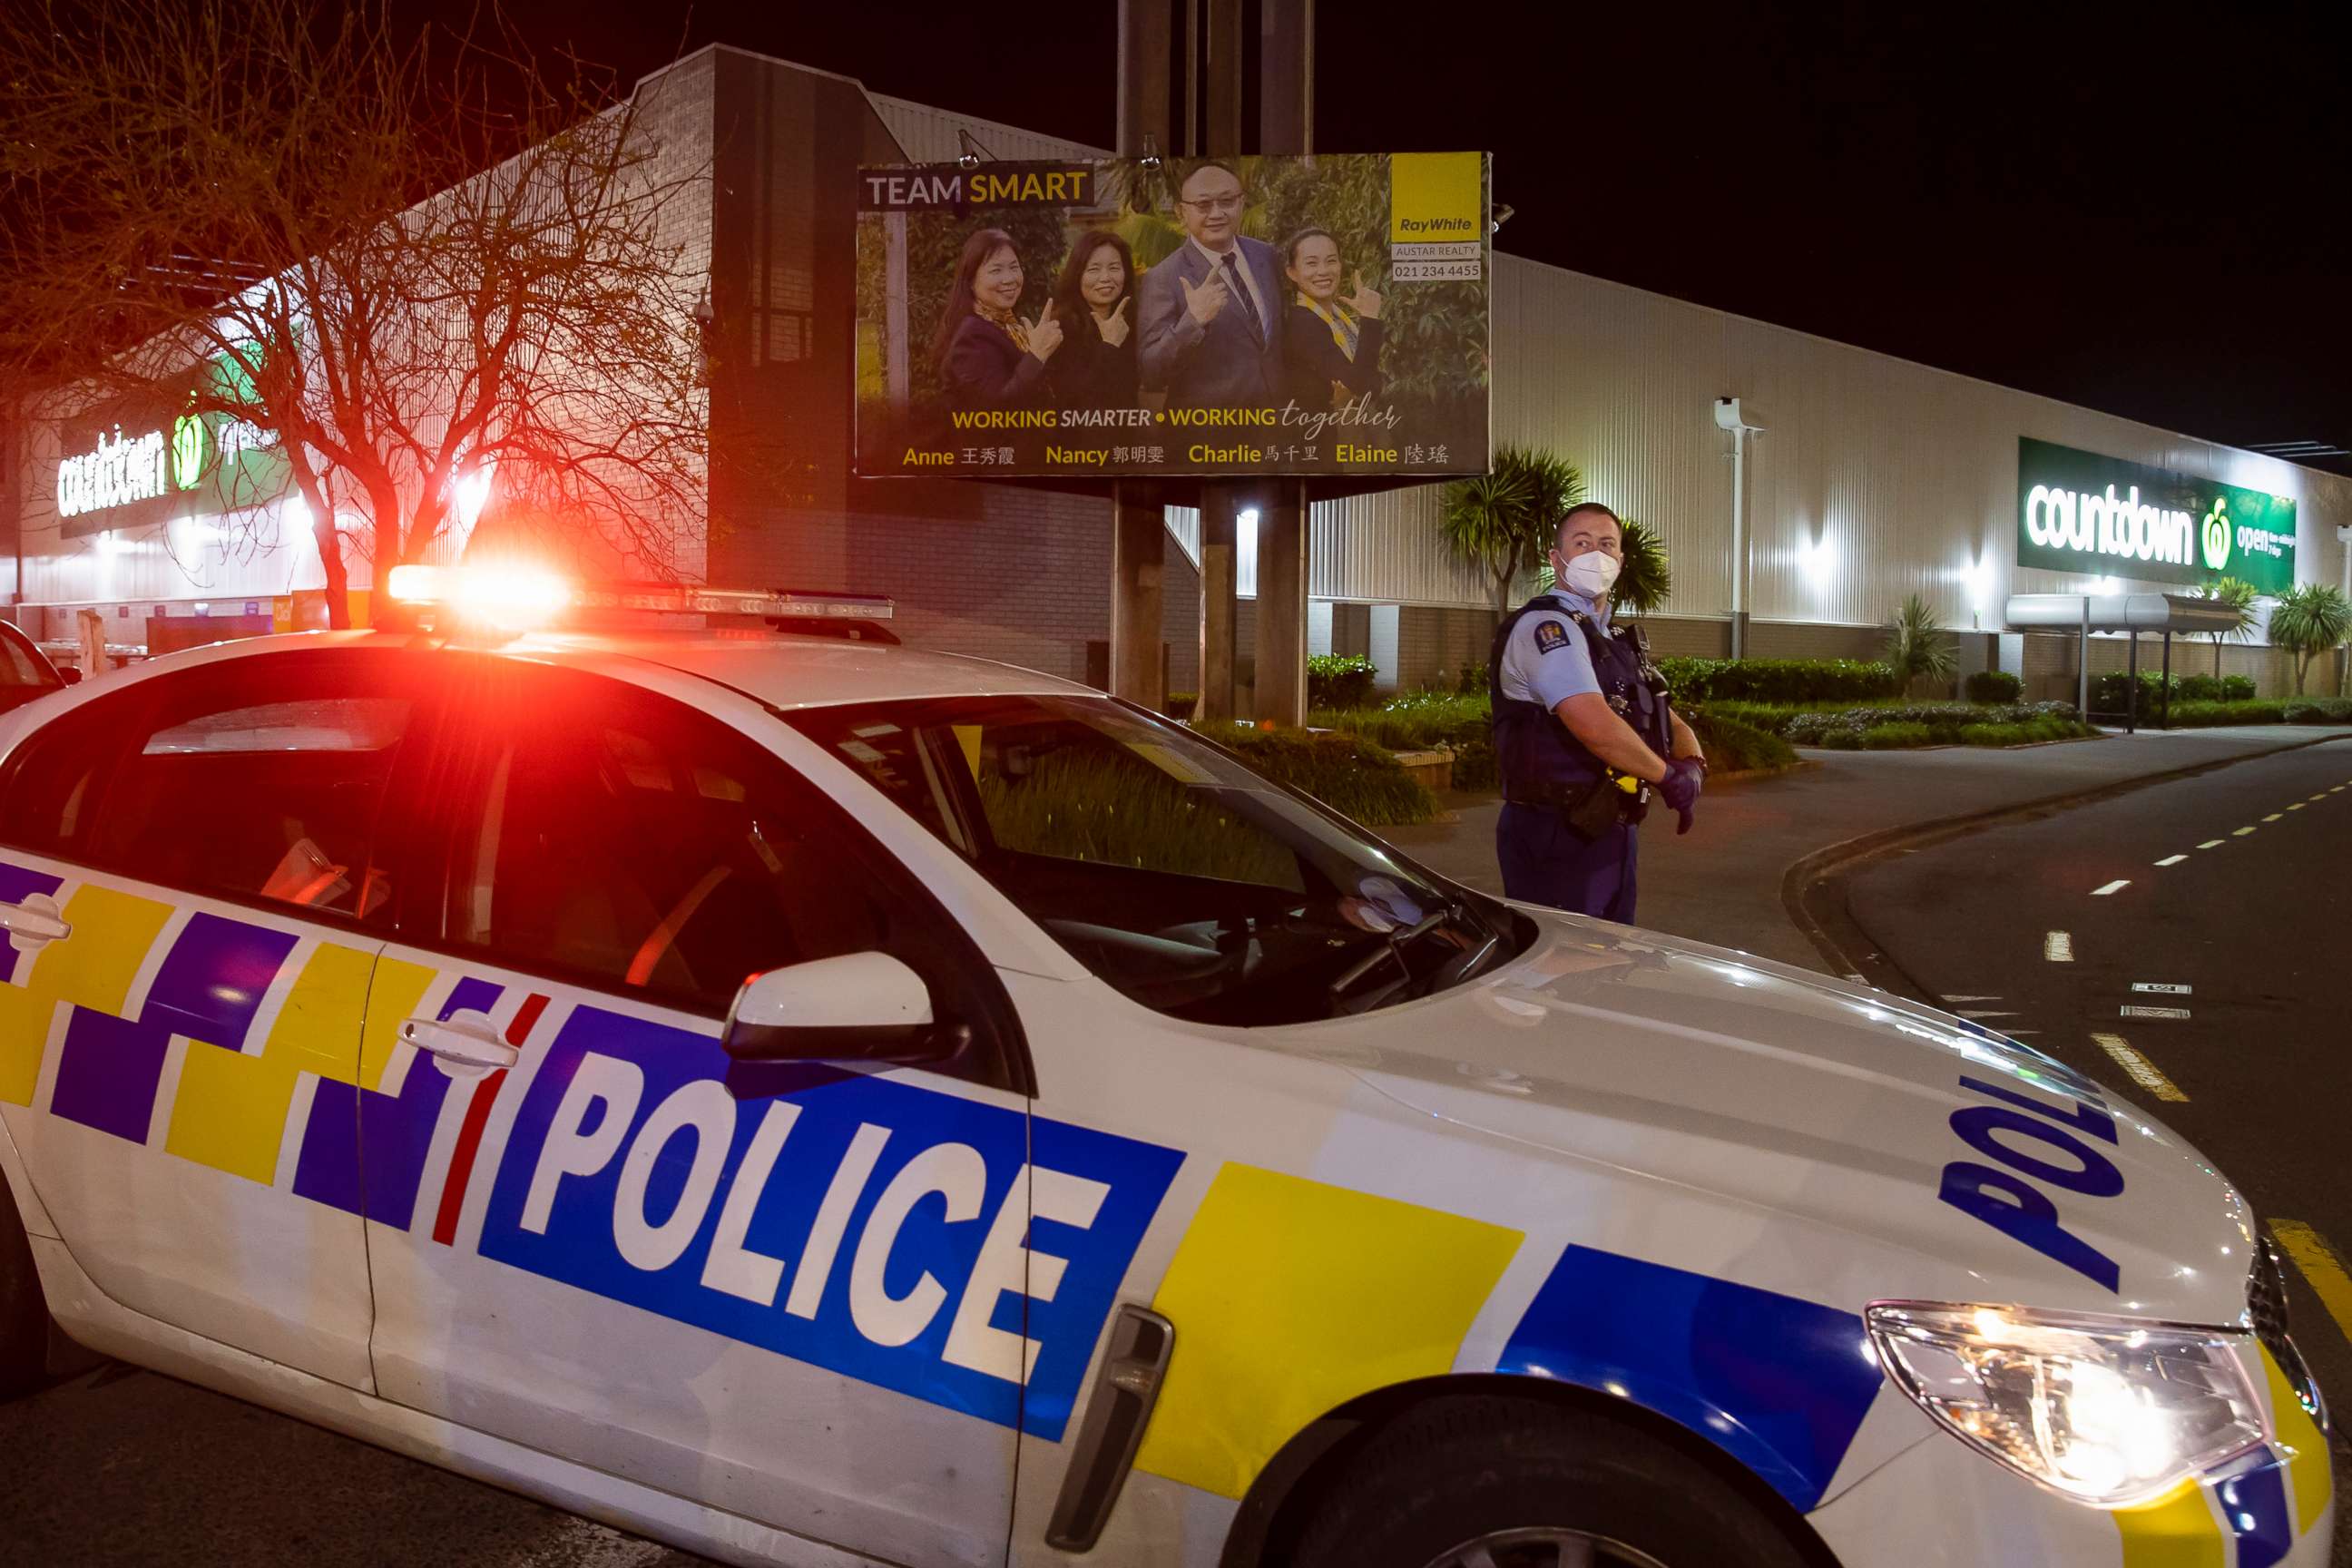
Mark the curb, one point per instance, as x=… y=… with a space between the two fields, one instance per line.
x=1841 y=941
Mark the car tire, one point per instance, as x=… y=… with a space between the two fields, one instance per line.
x=24 y=1313
x=1519 y=1477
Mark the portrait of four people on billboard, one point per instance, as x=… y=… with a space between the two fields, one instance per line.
x=1224 y=321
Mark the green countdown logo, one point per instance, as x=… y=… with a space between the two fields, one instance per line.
x=2216 y=542
x=187 y=451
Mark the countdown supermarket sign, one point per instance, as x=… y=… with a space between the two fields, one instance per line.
x=2079 y=511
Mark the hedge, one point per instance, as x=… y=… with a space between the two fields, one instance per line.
x=1338 y=681
x=1843 y=730
x=1993 y=686
x=1695 y=680
x=1422 y=720
x=1730 y=745
x=2110 y=688
x=1347 y=772
x=2285 y=710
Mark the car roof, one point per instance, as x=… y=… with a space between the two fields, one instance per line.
x=782 y=669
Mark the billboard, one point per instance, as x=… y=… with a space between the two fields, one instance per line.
x=2078 y=512
x=1270 y=315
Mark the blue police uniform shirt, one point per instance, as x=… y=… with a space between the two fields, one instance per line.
x=1545 y=659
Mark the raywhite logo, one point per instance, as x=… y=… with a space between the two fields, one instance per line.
x=2106 y=525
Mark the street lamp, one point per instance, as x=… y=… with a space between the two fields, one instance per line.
x=1728 y=417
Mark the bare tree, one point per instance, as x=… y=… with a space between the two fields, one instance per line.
x=409 y=271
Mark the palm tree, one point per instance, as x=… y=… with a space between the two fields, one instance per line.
x=1916 y=644
x=2229 y=593
x=2308 y=621
x=1501 y=522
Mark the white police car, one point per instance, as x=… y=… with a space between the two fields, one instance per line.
x=1110 y=1158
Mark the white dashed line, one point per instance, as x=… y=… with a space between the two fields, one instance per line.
x=2111 y=887
x=2274 y=816
x=2240 y=832
x=2321 y=795
x=2172 y=859
x=2058 y=947
x=2296 y=806
x=2161 y=988
x=2143 y=1071
x=2211 y=844
x=2136 y=1011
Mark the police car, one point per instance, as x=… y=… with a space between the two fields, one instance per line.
x=820 y=1102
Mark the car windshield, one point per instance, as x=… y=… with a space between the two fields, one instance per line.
x=1165 y=863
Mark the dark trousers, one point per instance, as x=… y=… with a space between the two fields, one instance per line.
x=1545 y=862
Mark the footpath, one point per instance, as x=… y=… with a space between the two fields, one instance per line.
x=1722 y=882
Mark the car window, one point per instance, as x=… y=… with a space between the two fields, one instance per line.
x=259 y=779
x=629 y=842
x=21 y=667
x=1167 y=865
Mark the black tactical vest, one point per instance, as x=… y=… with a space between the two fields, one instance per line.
x=1541 y=761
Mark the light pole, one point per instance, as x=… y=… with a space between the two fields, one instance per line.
x=1728 y=417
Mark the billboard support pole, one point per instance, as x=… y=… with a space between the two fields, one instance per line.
x=1286 y=124
x=1138 y=550
x=1220 y=508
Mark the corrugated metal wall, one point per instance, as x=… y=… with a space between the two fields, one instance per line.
x=1877 y=477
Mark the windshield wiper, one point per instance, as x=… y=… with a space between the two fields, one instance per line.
x=1393 y=946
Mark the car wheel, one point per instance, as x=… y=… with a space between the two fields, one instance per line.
x=1490 y=1482
x=24 y=1314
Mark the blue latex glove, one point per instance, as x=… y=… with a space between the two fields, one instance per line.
x=1679 y=789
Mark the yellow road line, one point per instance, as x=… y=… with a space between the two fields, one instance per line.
x=2143 y=1071
x=2240 y=832
x=2321 y=1264
x=2274 y=816
x=2211 y=844
x=2296 y=806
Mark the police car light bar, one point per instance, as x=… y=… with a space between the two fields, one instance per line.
x=516 y=599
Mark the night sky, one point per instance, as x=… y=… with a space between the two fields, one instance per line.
x=2144 y=210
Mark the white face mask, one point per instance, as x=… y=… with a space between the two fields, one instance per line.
x=1593 y=574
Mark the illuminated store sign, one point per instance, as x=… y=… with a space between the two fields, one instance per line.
x=119 y=471
x=2078 y=512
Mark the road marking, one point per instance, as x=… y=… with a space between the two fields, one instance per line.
x=2111 y=887
x=2274 y=816
x=1956 y=996
x=2240 y=832
x=2160 y=988
x=2321 y=795
x=1981 y=1012
x=2211 y=844
x=2296 y=806
x=2136 y=1012
x=2336 y=789
x=2172 y=859
x=2143 y=1071
x=2058 y=947
x=2321 y=1264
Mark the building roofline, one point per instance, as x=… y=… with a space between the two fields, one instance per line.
x=1922 y=365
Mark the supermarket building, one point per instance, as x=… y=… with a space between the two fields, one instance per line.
x=1871 y=477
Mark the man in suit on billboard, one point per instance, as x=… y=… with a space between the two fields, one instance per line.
x=1210 y=313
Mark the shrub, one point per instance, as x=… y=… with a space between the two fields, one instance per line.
x=1994 y=686
x=1993 y=735
x=1731 y=746
x=1943 y=720
x=1693 y=681
x=2199 y=689
x=1472 y=681
x=2110 y=689
x=1077 y=807
x=1897 y=737
x=1338 y=681
x=1347 y=772
x=2238 y=688
x=2317 y=711
x=2204 y=715
x=1916 y=642
x=1182 y=703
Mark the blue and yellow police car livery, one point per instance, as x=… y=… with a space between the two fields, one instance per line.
x=1247 y=1209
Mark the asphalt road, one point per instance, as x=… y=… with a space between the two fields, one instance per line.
x=2232 y=884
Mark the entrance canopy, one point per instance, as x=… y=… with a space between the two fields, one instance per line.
x=2119 y=613
x=2084 y=613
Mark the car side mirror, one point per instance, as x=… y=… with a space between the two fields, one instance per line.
x=70 y=674
x=860 y=1006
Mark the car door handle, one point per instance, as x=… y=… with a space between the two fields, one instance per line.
x=34 y=921
x=464 y=1050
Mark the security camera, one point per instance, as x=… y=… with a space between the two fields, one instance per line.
x=1502 y=215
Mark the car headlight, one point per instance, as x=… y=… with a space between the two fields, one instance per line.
x=2107 y=1410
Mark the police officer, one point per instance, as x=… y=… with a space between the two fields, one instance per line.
x=1582 y=732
